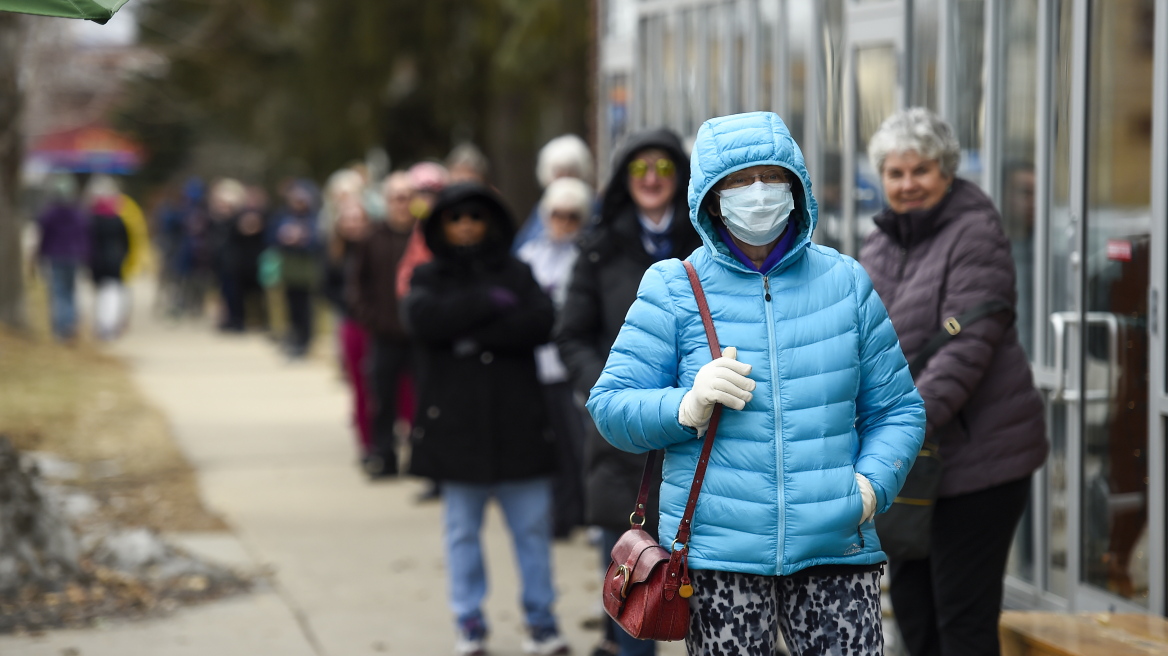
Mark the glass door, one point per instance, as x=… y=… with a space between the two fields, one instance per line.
x=1114 y=344
x=1092 y=360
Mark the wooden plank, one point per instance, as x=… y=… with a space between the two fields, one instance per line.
x=1086 y=634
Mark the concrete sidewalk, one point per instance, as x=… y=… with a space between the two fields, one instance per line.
x=358 y=566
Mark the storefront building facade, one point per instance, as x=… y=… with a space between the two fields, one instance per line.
x=1061 y=107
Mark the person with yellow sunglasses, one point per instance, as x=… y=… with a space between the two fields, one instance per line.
x=644 y=218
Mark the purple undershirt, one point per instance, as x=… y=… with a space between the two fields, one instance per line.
x=777 y=253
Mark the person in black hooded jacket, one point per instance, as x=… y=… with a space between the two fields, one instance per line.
x=644 y=219
x=477 y=315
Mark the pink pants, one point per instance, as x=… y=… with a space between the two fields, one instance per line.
x=354 y=346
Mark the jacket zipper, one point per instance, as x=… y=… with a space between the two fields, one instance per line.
x=903 y=262
x=773 y=342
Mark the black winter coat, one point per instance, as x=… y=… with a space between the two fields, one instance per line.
x=604 y=284
x=477 y=317
x=109 y=246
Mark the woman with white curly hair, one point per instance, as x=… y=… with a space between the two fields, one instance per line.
x=565 y=207
x=566 y=156
x=939 y=253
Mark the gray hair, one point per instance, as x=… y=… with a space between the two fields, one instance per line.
x=566 y=155
x=919 y=130
x=567 y=194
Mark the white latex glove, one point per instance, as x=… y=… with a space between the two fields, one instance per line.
x=868 y=495
x=720 y=381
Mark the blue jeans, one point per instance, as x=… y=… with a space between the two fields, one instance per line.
x=629 y=646
x=62 y=298
x=527 y=507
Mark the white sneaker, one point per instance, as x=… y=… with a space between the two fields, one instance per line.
x=554 y=644
x=471 y=647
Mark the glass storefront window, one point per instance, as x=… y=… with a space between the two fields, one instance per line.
x=694 y=75
x=969 y=92
x=1118 y=261
x=876 y=73
x=830 y=124
x=770 y=40
x=742 y=64
x=1019 y=94
x=718 y=102
x=926 y=27
x=794 y=38
x=1019 y=86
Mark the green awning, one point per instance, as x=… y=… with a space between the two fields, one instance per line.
x=98 y=11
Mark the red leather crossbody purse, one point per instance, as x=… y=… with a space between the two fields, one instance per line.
x=647 y=587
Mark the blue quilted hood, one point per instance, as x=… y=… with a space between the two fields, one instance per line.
x=730 y=143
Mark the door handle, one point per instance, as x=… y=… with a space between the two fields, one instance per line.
x=1059 y=322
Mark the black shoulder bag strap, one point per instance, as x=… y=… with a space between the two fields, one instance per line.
x=952 y=328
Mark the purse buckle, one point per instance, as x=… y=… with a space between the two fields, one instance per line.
x=624 y=571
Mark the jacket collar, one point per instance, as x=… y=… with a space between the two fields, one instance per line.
x=911 y=228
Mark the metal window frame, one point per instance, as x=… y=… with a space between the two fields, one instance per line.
x=1158 y=407
x=780 y=100
x=1021 y=593
x=992 y=98
x=946 y=80
x=814 y=95
x=749 y=17
x=1077 y=201
x=679 y=100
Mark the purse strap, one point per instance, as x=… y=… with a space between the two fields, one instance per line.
x=684 y=529
x=952 y=327
x=677 y=571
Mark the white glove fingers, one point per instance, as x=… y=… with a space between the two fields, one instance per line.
x=730 y=400
x=736 y=379
x=733 y=365
x=723 y=386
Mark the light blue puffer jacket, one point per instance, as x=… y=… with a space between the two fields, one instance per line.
x=833 y=394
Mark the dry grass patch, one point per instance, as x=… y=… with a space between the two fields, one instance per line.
x=82 y=406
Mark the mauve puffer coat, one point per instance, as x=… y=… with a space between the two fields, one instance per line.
x=980 y=400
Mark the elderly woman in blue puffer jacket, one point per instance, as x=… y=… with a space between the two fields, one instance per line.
x=822 y=423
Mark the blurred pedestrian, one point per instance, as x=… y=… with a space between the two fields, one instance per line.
x=166 y=225
x=377 y=307
x=109 y=245
x=426 y=180
x=298 y=244
x=63 y=246
x=566 y=156
x=346 y=239
x=466 y=163
x=226 y=201
x=478 y=314
x=192 y=265
x=643 y=220
x=939 y=251
x=566 y=206
x=250 y=240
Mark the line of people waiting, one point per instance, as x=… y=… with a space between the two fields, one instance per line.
x=471 y=345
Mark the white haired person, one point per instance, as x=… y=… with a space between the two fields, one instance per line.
x=227 y=199
x=565 y=207
x=939 y=251
x=566 y=156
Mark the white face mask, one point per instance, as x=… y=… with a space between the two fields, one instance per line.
x=757 y=214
